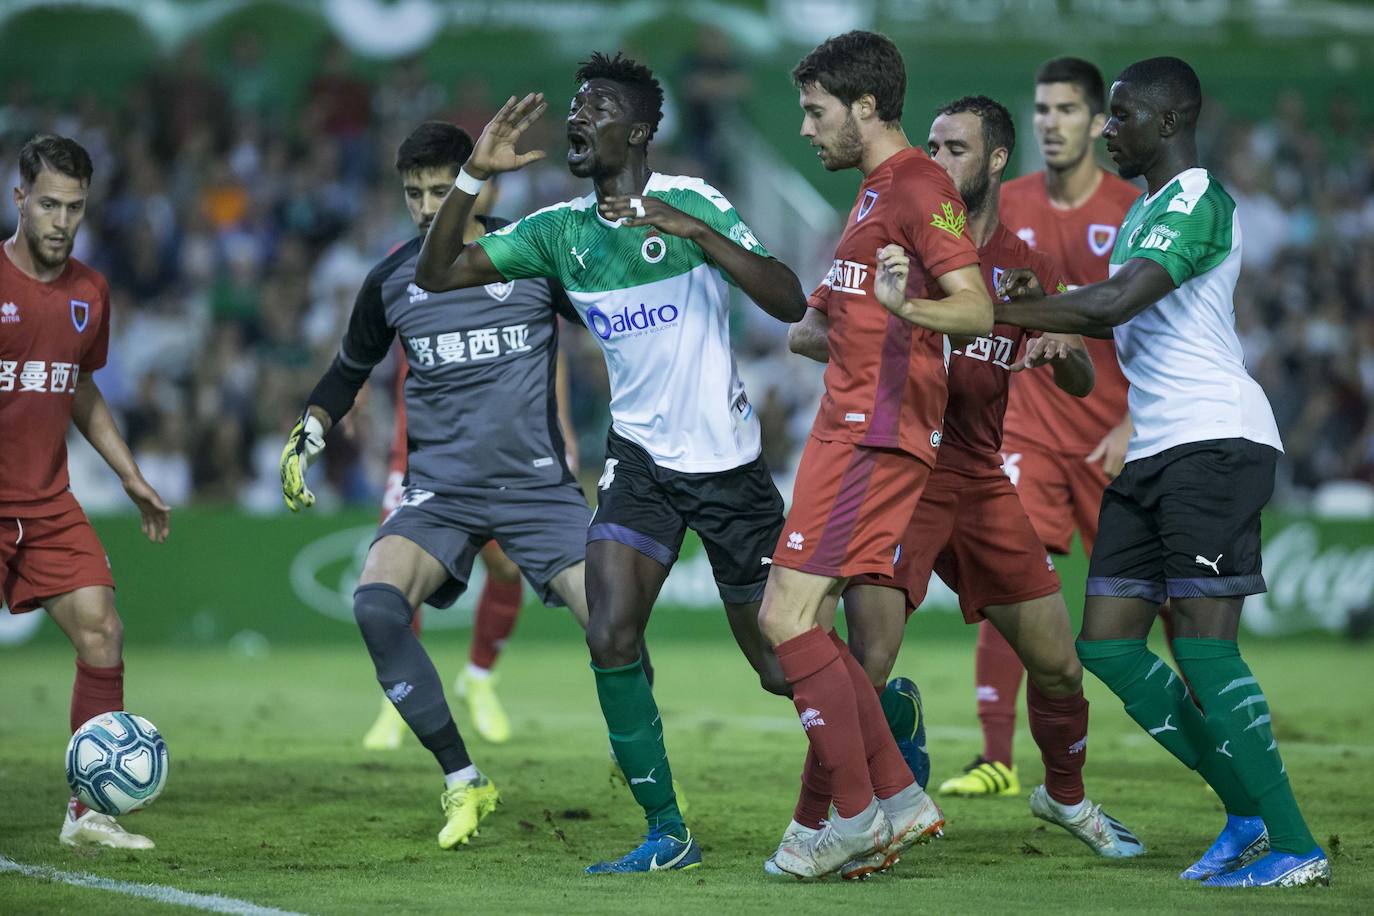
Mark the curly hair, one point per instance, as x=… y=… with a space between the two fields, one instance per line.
x=856 y=64
x=641 y=88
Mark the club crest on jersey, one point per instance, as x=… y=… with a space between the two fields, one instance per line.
x=997 y=277
x=500 y=291
x=1100 y=238
x=81 y=313
x=870 y=198
x=653 y=250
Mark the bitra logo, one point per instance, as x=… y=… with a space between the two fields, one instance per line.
x=643 y=320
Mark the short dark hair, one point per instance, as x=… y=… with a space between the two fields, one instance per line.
x=641 y=87
x=998 y=128
x=1080 y=73
x=61 y=154
x=432 y=145
x=1169 y=82
x=856 y=64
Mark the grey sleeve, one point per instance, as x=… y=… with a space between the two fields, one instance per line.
x=365 y=344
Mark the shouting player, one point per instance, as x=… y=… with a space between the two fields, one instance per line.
x=969 y=525
x=486 y=461
x=1059 y=450
x=645 y=258
x=872 y=445
x=1182 y=520
x=54 y=332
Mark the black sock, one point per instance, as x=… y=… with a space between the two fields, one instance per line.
x=406 y=673
x=447 y=747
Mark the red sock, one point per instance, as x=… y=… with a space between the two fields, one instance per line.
x=997 y=674
x=824 y=696
x=813 y=805
x=1060 y=728
x=96 y=690
x=497 y=611
x=415 y=622
x=886 y=769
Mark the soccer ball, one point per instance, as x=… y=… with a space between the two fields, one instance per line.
x=117 y=763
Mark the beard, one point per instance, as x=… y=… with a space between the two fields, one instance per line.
x=37 y=252
x=975 y=193
x=848 y=149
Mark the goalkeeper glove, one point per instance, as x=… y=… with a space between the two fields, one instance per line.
x=303 y=446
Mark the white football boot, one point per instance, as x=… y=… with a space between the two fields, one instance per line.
x=1107 y=836
x=95 y=829
x=795 y=833
x=828 y=849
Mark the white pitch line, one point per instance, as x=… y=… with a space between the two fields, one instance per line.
x=212 y=903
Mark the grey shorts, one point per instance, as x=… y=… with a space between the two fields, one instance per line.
x=542 y=529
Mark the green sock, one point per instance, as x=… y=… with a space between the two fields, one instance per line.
x=900 y=713
x=1156 y=698
x=1238 y=717
x=637 y=741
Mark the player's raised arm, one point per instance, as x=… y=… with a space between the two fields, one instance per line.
x=966 y=310
x=445 y=261
x=92 y=417
x=1091 y=310
x=765 y=279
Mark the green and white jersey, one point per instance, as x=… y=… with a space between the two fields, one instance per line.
x=659 y=308
x=1181 y=355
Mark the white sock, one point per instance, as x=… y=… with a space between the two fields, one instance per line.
x=907 y=798
x=478 y=674
x=1070 y=811
x=468 y=773
x=858 y=824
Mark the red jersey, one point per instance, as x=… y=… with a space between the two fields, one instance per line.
x=50 y=333
x=980 y=373
x=885 y=382
x=1081 y=241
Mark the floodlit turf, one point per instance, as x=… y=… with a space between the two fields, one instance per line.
x=272 y=800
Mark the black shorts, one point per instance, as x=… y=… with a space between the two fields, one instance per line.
x=737 y=513
x=539 y=528
x=1185 y=523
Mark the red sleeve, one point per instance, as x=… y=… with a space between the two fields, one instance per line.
x=820 y=299
x=1050 y=275
x=99 y=348
x=936 y=223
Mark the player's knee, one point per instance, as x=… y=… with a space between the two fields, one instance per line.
x=611 y=646
x=382 y=612
x=1062 y=679
x=101 y=634
x=773 y=682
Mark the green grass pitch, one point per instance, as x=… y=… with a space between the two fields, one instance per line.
x=272 y=800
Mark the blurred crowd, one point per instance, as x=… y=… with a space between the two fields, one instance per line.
x=235 y=231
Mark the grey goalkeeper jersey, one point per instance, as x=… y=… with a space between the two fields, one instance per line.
x=481 y=408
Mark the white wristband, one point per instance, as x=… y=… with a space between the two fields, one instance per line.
x=467 y=184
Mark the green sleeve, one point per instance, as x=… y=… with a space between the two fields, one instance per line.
x=528 y=247
x=711 y=207
x=1187 y=241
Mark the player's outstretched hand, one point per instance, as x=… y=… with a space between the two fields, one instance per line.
x=1111 y=451
x=637 y=210
x=157 y=515
x=302 y=447
x=494 y=151
x=889 y=285
x=1047 y=348
x=1019 y=283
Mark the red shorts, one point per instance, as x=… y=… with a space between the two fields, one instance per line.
x=1059 y=492
x=974 y=533
x=47 y=556
x=850 y=505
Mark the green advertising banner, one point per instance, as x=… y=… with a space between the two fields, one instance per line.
x=249 y=581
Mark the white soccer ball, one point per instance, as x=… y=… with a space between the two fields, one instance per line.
x=117 y=763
